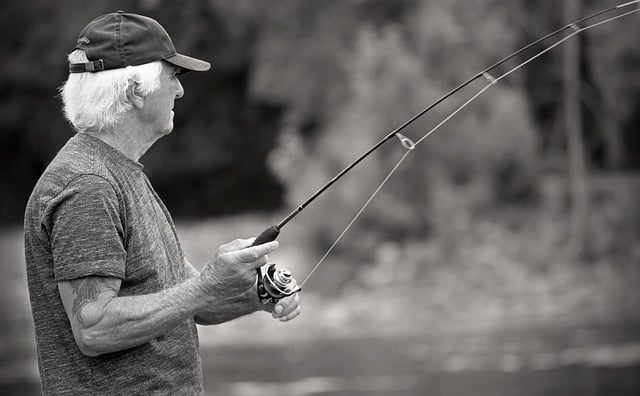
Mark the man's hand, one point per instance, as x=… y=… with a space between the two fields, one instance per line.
x=232 y=271
x=286 y=309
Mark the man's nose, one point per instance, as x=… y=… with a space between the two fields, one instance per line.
x=180 y=91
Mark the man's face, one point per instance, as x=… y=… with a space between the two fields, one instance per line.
x=158 y=105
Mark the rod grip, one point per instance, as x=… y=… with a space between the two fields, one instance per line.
x=268 y=235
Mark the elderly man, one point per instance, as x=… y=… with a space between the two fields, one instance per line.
x=114 y=299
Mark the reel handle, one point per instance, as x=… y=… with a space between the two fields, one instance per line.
x=273 y=283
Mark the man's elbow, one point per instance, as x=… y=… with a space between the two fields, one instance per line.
x=90 y=343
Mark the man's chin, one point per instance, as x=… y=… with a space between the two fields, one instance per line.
x=168 y=129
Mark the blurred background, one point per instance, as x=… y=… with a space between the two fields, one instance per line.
x=501 y=259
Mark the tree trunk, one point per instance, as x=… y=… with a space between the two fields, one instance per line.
x=575 y=140
x=614 y=147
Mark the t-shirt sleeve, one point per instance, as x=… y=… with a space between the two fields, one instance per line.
x=86 y=231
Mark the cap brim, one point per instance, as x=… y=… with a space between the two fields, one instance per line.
x=189 y=63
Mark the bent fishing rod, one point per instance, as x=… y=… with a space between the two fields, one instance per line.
x=276 y=283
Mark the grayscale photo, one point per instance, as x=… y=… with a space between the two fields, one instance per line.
x=336 y=198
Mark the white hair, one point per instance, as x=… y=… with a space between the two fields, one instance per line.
x=95 y=101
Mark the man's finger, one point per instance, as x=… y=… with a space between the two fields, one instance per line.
x=236 y=244
x=253 y=253
x=292 y=315
x=286 y=305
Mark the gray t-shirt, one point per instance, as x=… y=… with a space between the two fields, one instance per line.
x=94 y=213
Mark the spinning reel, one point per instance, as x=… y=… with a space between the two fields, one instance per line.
x=275 y=283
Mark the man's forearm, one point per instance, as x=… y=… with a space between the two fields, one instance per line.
x=104 y=324
x=228 y=309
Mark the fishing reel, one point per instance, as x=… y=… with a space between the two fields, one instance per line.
x=275 y=283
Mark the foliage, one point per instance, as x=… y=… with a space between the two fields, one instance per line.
x=315 y=83
x=486 y=154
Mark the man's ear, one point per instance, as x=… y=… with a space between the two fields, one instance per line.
x=134 y=95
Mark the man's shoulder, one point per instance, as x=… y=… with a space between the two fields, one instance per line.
x=80 y=159
x=85 y=155
x=76 y=158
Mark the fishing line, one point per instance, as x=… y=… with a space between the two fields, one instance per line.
x=397 y=165
x=409 y=145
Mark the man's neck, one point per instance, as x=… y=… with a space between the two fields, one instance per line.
x=126 y=139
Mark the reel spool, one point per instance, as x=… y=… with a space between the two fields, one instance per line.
x=275 y=283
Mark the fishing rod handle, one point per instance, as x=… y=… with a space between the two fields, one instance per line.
x=268 y=235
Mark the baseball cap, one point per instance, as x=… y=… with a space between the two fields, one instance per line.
x=121 y=39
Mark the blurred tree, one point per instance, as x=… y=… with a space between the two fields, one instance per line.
x=609 y=88
x=573 y=122
x=615 y=58
x=493 y=142
x=394 y=68
x=301 y=56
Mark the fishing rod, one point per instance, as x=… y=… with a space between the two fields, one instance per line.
x=276 y=283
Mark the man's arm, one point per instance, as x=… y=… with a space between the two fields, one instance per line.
x=286 y=309
x=102 y=322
